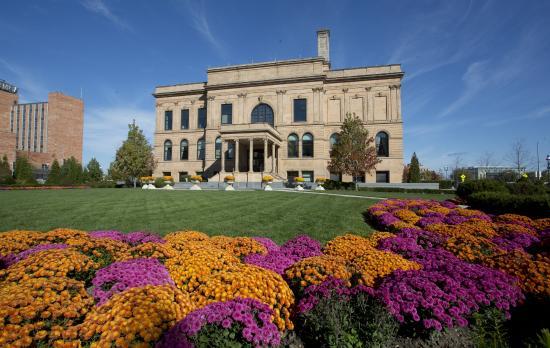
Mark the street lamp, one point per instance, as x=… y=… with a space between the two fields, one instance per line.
x=446 y=168
x=548 y=168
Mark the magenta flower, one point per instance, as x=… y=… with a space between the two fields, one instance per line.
x=10 y=259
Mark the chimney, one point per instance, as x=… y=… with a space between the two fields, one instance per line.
x=323 y=49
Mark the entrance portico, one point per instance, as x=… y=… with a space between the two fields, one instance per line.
x=251 y=150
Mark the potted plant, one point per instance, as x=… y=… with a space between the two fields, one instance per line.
x=267 y=180
x=229 y=180
x=299 y=183
x=168 y=182
x=196 y=180
x=320 y=182
x=147 y=182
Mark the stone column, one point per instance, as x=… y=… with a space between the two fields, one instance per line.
x=277 y=160
x=346 y=104
x=240 y=113
x=273 y=157
x=265 y=155
x=250 y=154
x=398 y=101
x=280 y=108
x=370 y=105
x=236 y=155
x=211 y=120
x=222 y=158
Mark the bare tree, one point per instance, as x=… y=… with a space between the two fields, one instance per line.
x=519 y=156
x=487 y=159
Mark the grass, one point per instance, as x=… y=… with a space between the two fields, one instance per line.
x=278 y=215
x=436 y=196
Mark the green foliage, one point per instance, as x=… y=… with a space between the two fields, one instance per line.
x=134 y=158
x=542 y=340
x=360 y=322
x=6 y=176
x=526 y=187
x=338 y=185
x=504 y=202
x=354 y=153
x=214 y=336
x=159 y=183
x=23 y=171
x=54 y=176
x=414 y=169
x=400 y=189
x=71 y=172
x=451 y=338
x=489 y=330
x=95 y=173
x=445 y=184
x=467 y=188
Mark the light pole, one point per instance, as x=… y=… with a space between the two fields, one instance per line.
x=548 y=169
x=446 y=168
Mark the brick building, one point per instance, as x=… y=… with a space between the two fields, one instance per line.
x=41 y=131
x=277 y=117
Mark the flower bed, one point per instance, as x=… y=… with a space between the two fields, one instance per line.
x=434 y=268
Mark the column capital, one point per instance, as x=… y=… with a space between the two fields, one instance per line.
x=241 y=95
x=368 y=89
x=345 y=90
x=281 y=91
x=210 y=97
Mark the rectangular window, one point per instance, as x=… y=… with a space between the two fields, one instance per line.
x=185 y=119
x=183 y=177
x=17 y=130
x=166 y=173
x=11 y=120
x=42 y=129
x=300 y=110
x=307 y=175
x=230 y=154
x=335 y=176
x=23 y=128
x=383 y=176
x=168 y=120
x=291 y=174
x=227 y=113
x=360 y=178
x=30 y=128
x=202 y=118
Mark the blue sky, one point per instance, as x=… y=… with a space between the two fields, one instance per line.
x=477 y=72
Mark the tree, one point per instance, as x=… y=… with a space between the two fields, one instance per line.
x=134 y=158
x=414 y=169
x=23 y=170
x=487 y=159
x=5 y=171
x=54 y=176
x=428 y=175
x=95 y=174
x=354 y=153
x=519 y=157
x=71 y=172
x=405 y=175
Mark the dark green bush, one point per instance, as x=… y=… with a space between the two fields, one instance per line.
x=445 y=184
x=526 y=187
x=338 y=185
x=488 y=327
x=449 y=337
x=362 y=321
x=400 y=189
x=159 y=183
x=465 y=189
x=504 y=202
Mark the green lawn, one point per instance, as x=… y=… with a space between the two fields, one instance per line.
x=436 y=196
x=278 y=215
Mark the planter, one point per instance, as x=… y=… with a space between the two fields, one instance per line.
x=267 y=186
x=168 y=187
x=299 y=187
x=229 y=186
x=195 y=186
x=319 y=188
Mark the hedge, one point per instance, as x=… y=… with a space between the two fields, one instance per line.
x=404 y=190
x=504 y=202
x=464 y=190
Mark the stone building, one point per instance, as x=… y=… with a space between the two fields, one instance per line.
x=41 y=131
x=277 y=118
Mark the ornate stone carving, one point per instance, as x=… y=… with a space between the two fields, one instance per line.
x=281 y=91
x=210 y=97
x=368 y=89
x=260 y=98
x=241 y=95
x=345 y=90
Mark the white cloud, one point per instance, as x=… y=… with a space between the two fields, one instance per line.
x=99 y=7
x=105 y=128
x=30 y=89
x=200 y=23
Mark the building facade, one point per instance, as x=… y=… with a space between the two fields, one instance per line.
x=279 y=118
x=41 y=131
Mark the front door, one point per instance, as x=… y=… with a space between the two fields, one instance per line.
x=258 y=160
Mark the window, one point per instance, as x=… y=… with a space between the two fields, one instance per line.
x=291 y=174
x=218 y=148
x=167 y=150
x=168 y=120
x=230 y=153
x=202 y=118
x=292 y=146
x=334 y=139
x=185 y=119
x=262 y=113
x=307 y=145
x=359 y=178
x=184 y=150
x=307 y=175
x=300 y=110
x=183 y=177
x=166 y=173
x=227 y=113
x=382 y=144
x=383 y=176
x=200 y=149
x=335 y=176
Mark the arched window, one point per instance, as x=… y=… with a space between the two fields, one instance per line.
x=292 y=146
x=200 y=149
x=262 y=113
x=218 y=148
x=382 y=144
x=333 y=139
x=307 y=145
x=167 y=150
x=184 y=150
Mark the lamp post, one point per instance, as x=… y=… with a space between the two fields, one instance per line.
x=548 y=168
x=446 y=168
